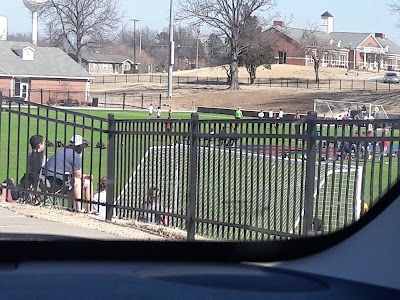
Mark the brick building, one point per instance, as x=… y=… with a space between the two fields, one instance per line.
x=368 y=51
x=40 y=74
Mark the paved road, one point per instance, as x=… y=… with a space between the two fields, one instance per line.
x=13 y=225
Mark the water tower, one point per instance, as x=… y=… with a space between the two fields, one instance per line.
x=3 y=28
x=34 y=6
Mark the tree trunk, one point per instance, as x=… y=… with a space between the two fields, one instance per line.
x=316 y=69
x=252 y=73
x=234 y=66
x=234 y=74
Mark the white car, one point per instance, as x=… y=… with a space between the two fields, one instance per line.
x=390 y=78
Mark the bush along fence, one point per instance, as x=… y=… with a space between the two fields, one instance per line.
x=240 y=180
x=300 y=83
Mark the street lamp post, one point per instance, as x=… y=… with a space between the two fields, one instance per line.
x=134 y=40
x=171 y=49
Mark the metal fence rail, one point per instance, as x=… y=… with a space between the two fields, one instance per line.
x=246 y=179
x=298 y=83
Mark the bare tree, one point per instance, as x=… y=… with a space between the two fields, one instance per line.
x=78 y=22
x=315 y=44
x=259 y=48
x=226 y=18
x=394 y=7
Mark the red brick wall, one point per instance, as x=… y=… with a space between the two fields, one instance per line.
x=370 y=40
x=57 y=89
x=5 y=86
x=294 y=55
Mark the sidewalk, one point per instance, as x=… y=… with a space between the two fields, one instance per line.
x=13 y=225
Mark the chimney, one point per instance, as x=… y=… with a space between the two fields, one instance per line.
x=279 y=23
x=380 y=35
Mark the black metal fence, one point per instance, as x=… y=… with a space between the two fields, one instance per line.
x=298 y=83
x=246 y=179
x=69 y=98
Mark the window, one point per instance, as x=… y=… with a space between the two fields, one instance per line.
x=282 y=57
x=105 y=67
x=20 y=87
x=95 y=67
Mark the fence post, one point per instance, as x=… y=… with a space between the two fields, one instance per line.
x=389 y=86
x=311 y=153
x=159 y=103
x=364 y=85
x=318 y=83
x=307 y=83
x=110 y=167
x=270 y=82
x=142 y=101
x=329 y=80
x=340 y=84
x=192 y=184
x=126 y=78
x=105 y=99
x=352 y=84
x=115 y=78
x=103 y=79
x=376 y=85
x=41 y=96
x=123 y=101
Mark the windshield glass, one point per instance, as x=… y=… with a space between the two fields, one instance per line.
x=255 y=129
x=202 y=175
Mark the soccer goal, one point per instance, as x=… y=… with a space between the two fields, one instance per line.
x=338 y=195
x=240 y=187
x=333 y=109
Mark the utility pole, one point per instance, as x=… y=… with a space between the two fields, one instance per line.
x=171 y=49
x=140 y=40
x=134 y=41
x=197 y=49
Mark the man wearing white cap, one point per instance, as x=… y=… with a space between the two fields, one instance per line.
x=69 y=160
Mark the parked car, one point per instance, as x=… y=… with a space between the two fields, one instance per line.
x=391 y=78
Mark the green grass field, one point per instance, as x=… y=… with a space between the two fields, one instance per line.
x=249 y=196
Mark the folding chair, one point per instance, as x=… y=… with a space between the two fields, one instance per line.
x=56 y=188
x=33 y=180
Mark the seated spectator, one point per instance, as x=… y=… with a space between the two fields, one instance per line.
x=8 y=195
x=100 y=199
x=69 y=160
x=35 y=161
x=153 y=202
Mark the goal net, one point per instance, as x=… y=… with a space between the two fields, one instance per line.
x=248 y=189
x=337 y=195
x=333 y=109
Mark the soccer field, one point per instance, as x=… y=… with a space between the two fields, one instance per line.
x=240 y=185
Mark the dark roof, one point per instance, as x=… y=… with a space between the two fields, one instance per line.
x=355 y=38
x=103 y=58
x=49 y=62
x=298 y=34
x=393 y=47
x=326 y=14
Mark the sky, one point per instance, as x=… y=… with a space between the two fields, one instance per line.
x=350 y=15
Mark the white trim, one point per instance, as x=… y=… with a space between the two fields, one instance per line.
x=367 y=38
x=47 y=77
